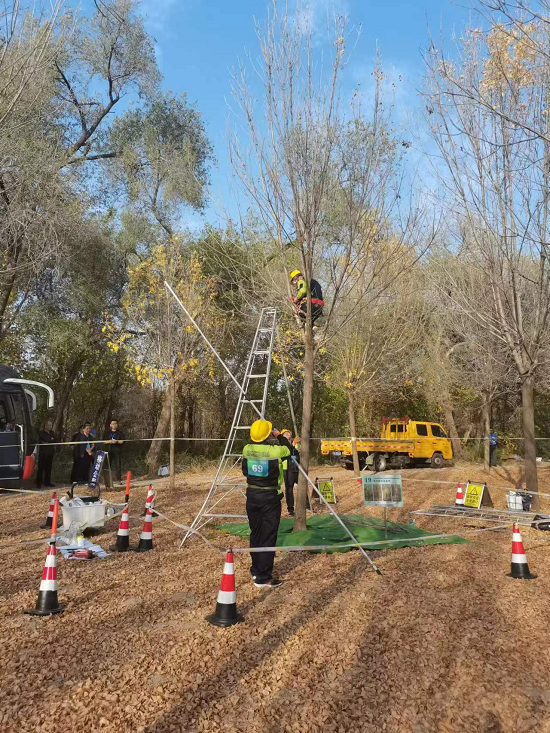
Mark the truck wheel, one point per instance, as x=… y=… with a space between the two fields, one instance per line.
x=437 y=460
x=380 y=462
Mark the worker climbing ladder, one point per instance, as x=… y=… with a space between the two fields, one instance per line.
x=250 y=406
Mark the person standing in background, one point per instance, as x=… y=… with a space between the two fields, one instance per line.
x=113 y=447
x=493 y=443
x=45 y=456
x=83 y=454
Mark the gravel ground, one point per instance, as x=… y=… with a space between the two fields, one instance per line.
x=443 y=641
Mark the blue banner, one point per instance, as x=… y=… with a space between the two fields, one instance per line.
x=96 y=469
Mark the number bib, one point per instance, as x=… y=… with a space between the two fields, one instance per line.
x=257 y=467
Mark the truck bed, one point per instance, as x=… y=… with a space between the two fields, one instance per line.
x=368 y=446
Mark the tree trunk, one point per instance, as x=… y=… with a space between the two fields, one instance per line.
x=307 y=405
x=486 y=430
x=352 y=427
x=153 y=456
x=453 y=432
x=529 y=443
x=64 y=395
x=172 y=434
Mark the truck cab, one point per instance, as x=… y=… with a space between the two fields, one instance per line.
x=431 y=443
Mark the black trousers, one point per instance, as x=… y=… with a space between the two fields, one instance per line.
x=316 y=311
x=263 y=507
x=44 y=471
x=115 y=461
x=291 y=477
x=493 y=455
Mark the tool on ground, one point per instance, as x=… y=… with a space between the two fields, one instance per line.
x=82 y=554
x=520 y=568
x=123 y=535
x=226 y=605
x=49 y=517
x=47 y=602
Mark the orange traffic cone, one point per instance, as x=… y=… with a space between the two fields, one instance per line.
x=150 y=500
x=123 y=535
x=459 y=501
x=146 y=537
x=49 y=518
x=520 y=568
x=226 y=605
x=47 y=602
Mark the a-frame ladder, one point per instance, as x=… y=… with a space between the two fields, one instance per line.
x=250 y=406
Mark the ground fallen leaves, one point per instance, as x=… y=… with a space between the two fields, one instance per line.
x=443 y=641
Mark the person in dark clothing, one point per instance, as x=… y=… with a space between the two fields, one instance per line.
x=83 y=455
x=45 y=456
x=115 y=436
x=299 y=282
x=263 y=468
x=493 y=444
x=290 y=471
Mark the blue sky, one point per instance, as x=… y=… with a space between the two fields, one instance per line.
x=198 y=41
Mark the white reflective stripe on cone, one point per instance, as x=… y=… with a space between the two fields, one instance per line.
x=123 y=532
x=519 y=559
x=516 y=537
x=146 y=536
x=48 y=585
x=229 y=568
x=227 y=596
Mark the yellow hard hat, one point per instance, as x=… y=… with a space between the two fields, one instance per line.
x=259 y=430
x=294 y=273
x=286 y=430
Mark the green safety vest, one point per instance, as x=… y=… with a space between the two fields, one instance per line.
x=262 y=465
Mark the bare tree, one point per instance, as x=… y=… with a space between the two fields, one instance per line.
x=318 y=180
x=496 y=182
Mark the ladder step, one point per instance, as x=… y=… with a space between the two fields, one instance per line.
x=257 y=376
x=242 y=427
x=234 y=455
x=264 y=352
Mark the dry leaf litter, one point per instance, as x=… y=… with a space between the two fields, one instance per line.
x=443 y=641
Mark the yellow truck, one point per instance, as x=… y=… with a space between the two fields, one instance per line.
x=403 y=442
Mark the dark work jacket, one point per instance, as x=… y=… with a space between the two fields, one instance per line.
x=45 y=436
x=79 y=451
x=113 y=448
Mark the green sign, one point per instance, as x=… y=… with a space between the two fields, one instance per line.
x=382 y=491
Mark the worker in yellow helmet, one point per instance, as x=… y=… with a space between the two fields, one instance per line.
x=262 y=464
x=300 y=299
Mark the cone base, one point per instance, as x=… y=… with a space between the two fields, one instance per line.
x=141 y=549
x=529 y=576
x=114 y=548
x=51 y=612
x=223 y=622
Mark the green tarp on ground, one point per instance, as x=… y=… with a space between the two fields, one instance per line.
x=324 y=529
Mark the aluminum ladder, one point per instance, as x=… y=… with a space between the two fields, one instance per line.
x=250 y=406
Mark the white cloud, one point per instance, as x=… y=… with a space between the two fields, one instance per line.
x=156 y=14
x=316 y=16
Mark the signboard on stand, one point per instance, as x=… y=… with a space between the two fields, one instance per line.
x=386 y=491
x=326 y=489
x=96 y=469
x=477 y=495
